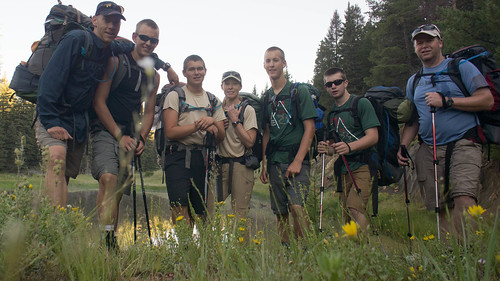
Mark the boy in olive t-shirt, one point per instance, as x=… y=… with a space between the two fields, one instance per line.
x=353 y=142
x=287 y=139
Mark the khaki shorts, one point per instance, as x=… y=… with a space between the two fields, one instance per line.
x=465 y=168
x=74 y=151
x=349 y=196
x=108 y=158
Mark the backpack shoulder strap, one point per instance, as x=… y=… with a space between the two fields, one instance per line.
x=213 y=103
x=456 y=77
x=86 y=50
x=121 y=71
x=265 y=108
x=416 y=78
x=295 y=101
x=354 y=110
x=244 y=103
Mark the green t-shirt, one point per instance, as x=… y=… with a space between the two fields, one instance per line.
x=283 y=133
x=344 y=124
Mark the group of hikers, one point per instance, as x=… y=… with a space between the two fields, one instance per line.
x=78 y=96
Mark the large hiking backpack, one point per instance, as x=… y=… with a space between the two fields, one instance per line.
x=254 y=101
x=295 y=112
x=391 y=108
x=161 y=141
x=486 y=64
x=60 y=21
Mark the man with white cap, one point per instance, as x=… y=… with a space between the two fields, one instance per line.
x=457 y=133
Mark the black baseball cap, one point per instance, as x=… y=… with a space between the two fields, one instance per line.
x=108 y=8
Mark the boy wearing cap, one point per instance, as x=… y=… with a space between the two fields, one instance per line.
x=189 y=133
x=234 y=177
x=65 y=95
x=115 y=138
x=456 y=127
x=287 y=137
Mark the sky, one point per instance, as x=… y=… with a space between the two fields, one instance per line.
x=227 y=34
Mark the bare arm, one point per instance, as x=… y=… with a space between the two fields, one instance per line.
x=368 y=140
x=172 y=130
x=480 y=100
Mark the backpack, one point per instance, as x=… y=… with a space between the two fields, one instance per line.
x=61 y=20
x=254 y=101
x=161 y=141
x=391 y=108
x=486 y=64
x=295 y=112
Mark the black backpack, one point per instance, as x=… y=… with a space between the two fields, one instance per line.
x=61 y=20
x=253 y=101
x=161 y=141
x=391 y=108
x=486 y=64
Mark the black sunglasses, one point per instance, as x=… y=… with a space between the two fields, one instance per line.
x=424 y=27
x=336 y=83
x=146 y=38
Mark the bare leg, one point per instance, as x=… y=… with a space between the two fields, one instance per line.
x=457 y=218
x=360 y=218
x=300 y=221
x=107 y=200
x=282 y=221
x=56 y=188
x=181 y=211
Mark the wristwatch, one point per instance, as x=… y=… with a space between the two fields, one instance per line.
x=236 y=123
x=449 y=102
x=166 y=66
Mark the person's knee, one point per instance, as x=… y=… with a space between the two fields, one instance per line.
x=57 y=154
x=463 y=201
x=107 y=179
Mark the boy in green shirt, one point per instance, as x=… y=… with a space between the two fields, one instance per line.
x=356 y=143
x=288 y=134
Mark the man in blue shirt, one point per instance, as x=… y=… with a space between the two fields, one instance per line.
x=65 y=94
x=456 y=128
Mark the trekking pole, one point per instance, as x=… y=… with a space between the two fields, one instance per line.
x=336 y=138
x=144 y=198
x=322 y=190
x=405 y=154
x=435 y=162
x=133 y=202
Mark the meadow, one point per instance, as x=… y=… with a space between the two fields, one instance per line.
x=41 y=242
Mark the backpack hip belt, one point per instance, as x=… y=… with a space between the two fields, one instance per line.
x=188 y=148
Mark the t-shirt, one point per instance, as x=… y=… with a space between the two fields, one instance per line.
x=189 y=117
x=282 y=132
x=344 y=124
x=451 y=124
x=232 y=147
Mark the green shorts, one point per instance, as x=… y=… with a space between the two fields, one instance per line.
x=74 y=150
x=284 y=192
x=465 y=168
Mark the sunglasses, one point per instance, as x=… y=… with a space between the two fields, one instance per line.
x=424 y=27
x=336 y=83
x=146 y=38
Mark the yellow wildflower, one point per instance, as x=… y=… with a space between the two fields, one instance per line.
x=420 y=268
x=13 y=197
x=350 y=229
x=412 y=269
x=479 y=232
x=62 y=209
x=431 y=237
x=243 y=220
x=497 y=258
x=425 y=238
x=476 y=211
x=260 y=232
x=241 y=228
x=179 y=218
x=74 y=209
x=256 y=241
x=412 y=237
x=30 y=186
x=336 y=235
x=325 y=241
x=230 y=216
x=240 y=239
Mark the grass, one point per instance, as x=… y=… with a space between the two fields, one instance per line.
x=39 y=242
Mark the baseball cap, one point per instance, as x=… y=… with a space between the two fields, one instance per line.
x=231 y=74
x=429 y=29
x=107 y=8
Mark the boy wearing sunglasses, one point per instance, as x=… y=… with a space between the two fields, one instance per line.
x=115 y=136
x=287 y=137
x=352 y=141
x=456 y=128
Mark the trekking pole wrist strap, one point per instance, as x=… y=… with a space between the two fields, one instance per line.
x=445 y=104
x=348 y=146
